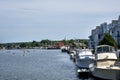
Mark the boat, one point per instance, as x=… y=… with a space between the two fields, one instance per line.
x=73 y=54
x=64 y=49
x=105 y=64
x=52 y=47
x=84 y=58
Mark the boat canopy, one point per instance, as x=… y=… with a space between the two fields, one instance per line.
x=85 y=52
x=104 y=49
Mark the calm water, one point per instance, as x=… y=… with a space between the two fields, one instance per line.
x=36 y=64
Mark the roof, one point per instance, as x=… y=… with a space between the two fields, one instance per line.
x=104 y=45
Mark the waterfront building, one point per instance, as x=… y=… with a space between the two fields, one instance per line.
x=97 y=34
x=114 y=30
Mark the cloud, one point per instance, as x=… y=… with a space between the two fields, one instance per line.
x=56 y=6
x=53 y=19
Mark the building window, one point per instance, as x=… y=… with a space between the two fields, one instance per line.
x=99 y=36
x=118 y=34
x=112 y=32
x=118 y=37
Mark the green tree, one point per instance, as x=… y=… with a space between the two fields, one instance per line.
x=45 y=42
x=23 y=45
x=71 y=41
x=34 y=44
x=0 y=45
x=108 y=40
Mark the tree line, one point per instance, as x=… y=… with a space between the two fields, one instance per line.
x=107 y=40
x=38 y=44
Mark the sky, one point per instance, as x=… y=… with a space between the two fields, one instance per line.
x=28 y=20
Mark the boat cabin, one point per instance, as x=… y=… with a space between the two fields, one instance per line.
x=104 y=49
x=105 y=56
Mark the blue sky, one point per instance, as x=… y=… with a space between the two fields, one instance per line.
x=28 y=20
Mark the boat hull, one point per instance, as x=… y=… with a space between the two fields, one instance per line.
x=105 y=73
x=84 y=63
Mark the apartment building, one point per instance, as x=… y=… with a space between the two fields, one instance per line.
x=97 y=34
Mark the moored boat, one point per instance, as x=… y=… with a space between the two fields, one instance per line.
x=84 y=58
x=105 y=63
x=73 y=54
x=64 y=49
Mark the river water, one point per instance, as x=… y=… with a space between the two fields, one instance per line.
x=37 y=64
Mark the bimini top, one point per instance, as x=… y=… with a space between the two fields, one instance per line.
x=104 y=49
x=85 y=52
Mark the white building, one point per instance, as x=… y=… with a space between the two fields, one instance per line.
x=114 y=30
x=97 y=34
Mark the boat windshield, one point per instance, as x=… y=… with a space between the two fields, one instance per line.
x=85 y=52
x=103 y=49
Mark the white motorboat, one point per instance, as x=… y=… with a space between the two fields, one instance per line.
x=64 y=49
x=105 y=63
x=84 y=58
x=73 y=54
